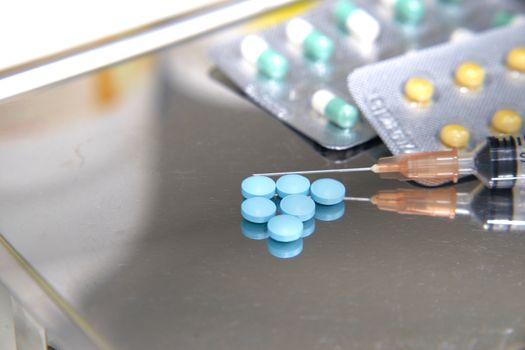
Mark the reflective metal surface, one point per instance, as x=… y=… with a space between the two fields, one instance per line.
x=122 y=191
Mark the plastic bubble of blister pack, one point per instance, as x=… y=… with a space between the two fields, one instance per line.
x=297 y=69
x=478 y=91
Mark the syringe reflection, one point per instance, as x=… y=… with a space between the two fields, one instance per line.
x=493 y=209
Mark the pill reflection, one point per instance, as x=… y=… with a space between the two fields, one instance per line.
x=254 y=231
x=285 y=250
x=329 y=212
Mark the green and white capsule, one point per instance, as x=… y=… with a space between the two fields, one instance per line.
x=335 y=109
x=256 y=51
x=504 y=18
x=356 y=21
x=407 y=11
x=314 y=44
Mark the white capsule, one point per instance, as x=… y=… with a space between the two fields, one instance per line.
x=252 y=47
x=461 y=34
x=363 y=26
x=518 y=20
x=335 y=109
x=388 y=3
x=320 y=100
x=297 y=30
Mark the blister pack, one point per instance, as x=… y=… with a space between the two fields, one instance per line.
x=453 y=95
x=297 y=69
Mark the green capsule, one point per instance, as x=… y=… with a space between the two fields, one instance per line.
x=502 y=18
x=342 y=10
x=341 y=113
x=409 y=11
x=318 y=46
x=272 y=64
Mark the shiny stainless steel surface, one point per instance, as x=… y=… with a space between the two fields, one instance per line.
x=138 y=42
x=128 y=206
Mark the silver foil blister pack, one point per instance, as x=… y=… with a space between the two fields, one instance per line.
x=406 y=127
x=289 y=99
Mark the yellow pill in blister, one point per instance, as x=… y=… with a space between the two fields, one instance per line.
x=516 y=59
x=470 y=75
x=454 y=135
x=419 y=90
x=506 y=121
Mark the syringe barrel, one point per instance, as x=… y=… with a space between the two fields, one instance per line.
x=500 y=162
x=437 y=202
x=428 y=167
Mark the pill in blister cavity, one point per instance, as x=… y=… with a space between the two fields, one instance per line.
x=362 y=32
x=335 y=109
x=516 y=59
x=356 y=21
x=256 y=51
x=377 y=91
x=461 y=34
x=314 y=44
x=451 y=2
x=504 y=18
x=454 y=136
x=506 y=121
x=419 y=90
x=518 y=20
x=470 y=75
x=407 y=11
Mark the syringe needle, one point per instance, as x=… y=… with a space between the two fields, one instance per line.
x=358 y=199
x=309 y=172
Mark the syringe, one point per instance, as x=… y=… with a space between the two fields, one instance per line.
x=494 y=209
x=498 y=163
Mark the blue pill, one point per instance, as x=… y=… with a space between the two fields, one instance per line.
x=327 y=191
x=298 y=205
x=285 y=228
x=258 y=209
x=285 y=250
x=254 y=231
x=293 y=184
x=330 y=212
x=308 y=228
x=258 y=186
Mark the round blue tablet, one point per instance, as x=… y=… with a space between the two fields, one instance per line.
x=292 y=184
x=285 y=228
x=258 y=209
x=258 y=186
x=329 y=212
x=254 y=231
x=285 y=250
x=308 y=228
x=298 y=205
x=327 y=191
